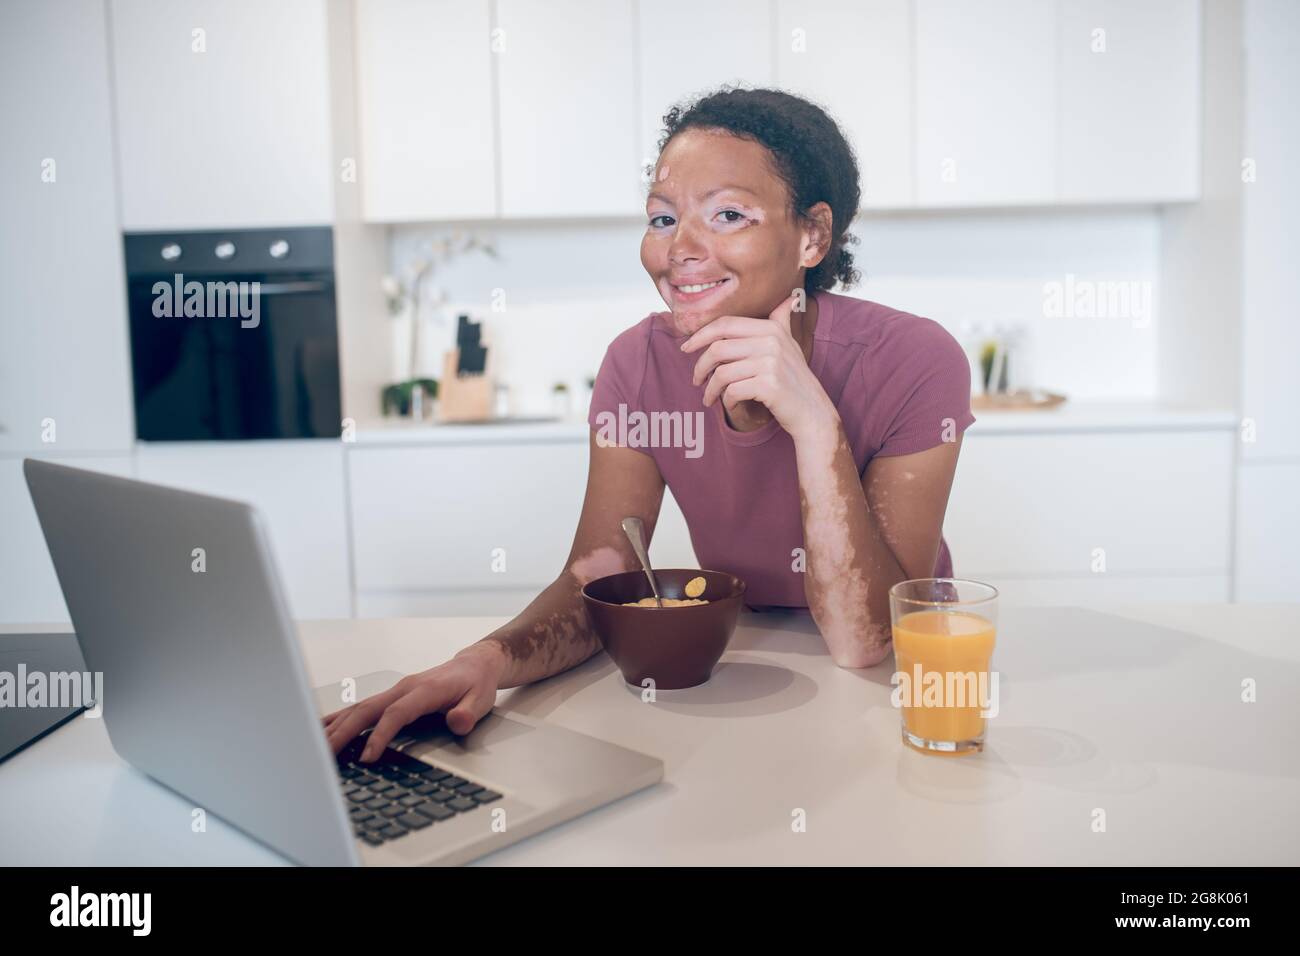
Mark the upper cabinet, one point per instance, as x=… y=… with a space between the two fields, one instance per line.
x=1130 y=106
x=223 y=113
x=1047 y=101
x=424 y=94
x=725 y=43
x=854 y=57
x=566 y=73
x=985 y=102
x=517 y=109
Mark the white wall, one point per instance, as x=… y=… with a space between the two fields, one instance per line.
x=63 y=351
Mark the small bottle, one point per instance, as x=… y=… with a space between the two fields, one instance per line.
x=560 y=404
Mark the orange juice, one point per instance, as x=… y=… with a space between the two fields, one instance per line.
x=944 y=643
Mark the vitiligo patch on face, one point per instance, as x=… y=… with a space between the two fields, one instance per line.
x=663 y=172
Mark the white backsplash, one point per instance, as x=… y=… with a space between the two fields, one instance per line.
x=570 y=287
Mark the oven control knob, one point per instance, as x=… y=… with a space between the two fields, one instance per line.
x=170 y=252
x=279 y=249
x=225 y=249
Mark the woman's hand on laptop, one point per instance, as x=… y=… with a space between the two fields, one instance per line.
x=464 y=688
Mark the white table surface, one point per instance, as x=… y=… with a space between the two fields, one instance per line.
x=1136 y=711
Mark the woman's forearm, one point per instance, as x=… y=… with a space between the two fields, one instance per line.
x=849 y=566
x=551 y=635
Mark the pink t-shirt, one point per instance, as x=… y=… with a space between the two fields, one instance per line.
x=901 y=384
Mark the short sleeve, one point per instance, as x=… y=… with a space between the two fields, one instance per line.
x=929 y=391
x=617 y=390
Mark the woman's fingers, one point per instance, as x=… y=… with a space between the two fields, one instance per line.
x=727 y=327
x=724 y=350
x=744 y=390
x=724 y=375
x=361 y=715
x=423 y=700
x=477 y=701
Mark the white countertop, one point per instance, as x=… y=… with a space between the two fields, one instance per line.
x=1136 y=712
x=1069 y=417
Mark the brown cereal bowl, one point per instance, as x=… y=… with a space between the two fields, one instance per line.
x=676 y=647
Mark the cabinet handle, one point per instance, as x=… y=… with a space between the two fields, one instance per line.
x=285 y=288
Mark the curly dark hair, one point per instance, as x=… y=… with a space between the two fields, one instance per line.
x=809 y=153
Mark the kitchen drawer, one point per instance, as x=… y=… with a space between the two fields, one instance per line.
x=431 y=518
x=1037 y=505
x=428 y=519
x=483 y=602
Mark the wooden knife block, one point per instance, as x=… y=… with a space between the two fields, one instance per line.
x=463 y=398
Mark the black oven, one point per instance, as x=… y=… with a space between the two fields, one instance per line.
x=234 y=334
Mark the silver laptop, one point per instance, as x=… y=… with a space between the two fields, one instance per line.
x=205 y=691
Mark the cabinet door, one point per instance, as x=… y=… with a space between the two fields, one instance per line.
x=296 y=485
x=29 y=587
x=475 y=529
x=424 y=95
x=222 y=113
x=569 y=128
x=1268 y=526
x=854 y=57
x=1130 y=100
x=65 y=378
x=1083 y=503
x=986 y=113
x=464 y=517
x=727 y=41
x=1270 y=334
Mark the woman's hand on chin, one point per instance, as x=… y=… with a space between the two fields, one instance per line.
x=747 y=359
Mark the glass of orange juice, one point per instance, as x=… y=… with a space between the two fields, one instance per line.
x=943 y=648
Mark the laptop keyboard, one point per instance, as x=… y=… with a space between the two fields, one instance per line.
x=396 y=794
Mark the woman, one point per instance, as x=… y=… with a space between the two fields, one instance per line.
x=828 y=426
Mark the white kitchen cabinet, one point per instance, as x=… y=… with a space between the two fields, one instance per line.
x=474 y=528
x=1270 y=337
x=29 y=587
x=65 y=373
x=1086 y=505
x=424 y=99
x=223 y=113
x=854 y=57
x=1268 y=527
x=986 y=108
x=677 y=63
x=1130 y=102
x=448 y=517
x=1268 y=477
x=569 y=128
x=298 y=486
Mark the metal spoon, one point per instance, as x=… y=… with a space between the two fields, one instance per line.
x=635 y=532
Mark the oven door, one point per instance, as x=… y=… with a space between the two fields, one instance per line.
x=233 y=378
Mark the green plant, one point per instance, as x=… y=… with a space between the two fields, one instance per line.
x=986 y=368
x=397 y=398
